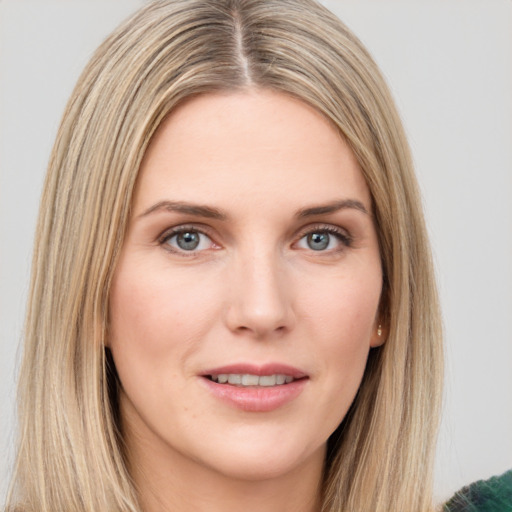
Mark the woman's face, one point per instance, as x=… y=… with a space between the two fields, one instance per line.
x=251 y=257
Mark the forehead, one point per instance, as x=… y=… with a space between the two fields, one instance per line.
x=252 y=146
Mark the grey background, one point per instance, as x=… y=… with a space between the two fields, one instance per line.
x=449 y=64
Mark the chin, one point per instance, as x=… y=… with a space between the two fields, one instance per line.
x=265 y=461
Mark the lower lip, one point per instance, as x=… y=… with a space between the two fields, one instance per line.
x=256 y=399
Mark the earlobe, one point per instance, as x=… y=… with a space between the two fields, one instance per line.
x=379 y=336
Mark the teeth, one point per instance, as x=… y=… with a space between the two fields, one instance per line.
x=250 y=380
x=268 y=380
x=238 y=379
x=235 y=378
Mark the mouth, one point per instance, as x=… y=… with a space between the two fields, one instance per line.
x=254 y=388
x=251 y=380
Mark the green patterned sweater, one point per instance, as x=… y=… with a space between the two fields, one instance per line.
x=493 y=495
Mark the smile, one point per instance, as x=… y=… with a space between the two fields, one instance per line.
x=255 y=388
x=249 y=380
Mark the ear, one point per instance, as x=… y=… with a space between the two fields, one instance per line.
x=380 y=334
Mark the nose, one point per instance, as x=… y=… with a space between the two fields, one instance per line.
x=260 y=299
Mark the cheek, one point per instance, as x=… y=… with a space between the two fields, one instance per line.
x=344 y=307
x=155 y=307
x=156 y=320
x=342 y=323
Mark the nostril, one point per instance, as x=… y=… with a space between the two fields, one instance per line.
x=258 y=308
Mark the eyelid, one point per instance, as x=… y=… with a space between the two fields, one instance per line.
x=168 y=233
x=180 y=228
x=343 y=235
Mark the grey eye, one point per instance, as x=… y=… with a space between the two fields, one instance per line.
x=182 y=240
x=318 y=241
x=188 y=241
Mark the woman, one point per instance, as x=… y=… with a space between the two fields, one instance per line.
x=180 y=135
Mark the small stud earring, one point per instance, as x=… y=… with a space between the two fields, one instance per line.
x=379 y=330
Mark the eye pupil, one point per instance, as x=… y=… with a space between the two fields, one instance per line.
x=318 y=241
x=187 y=241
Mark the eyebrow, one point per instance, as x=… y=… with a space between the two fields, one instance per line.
x=333 y=207
x=187 y=208
x=210 y=212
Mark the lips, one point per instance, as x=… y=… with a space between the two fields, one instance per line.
x=255 y=388
x=247 y=379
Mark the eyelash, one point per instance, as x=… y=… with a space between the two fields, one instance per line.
x=341 y=235
x=169 y=234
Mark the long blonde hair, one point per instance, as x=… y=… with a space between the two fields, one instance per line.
x=70 y=454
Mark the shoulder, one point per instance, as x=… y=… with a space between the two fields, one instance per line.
x=493 y=495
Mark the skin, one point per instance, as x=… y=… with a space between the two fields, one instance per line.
x=252 y=291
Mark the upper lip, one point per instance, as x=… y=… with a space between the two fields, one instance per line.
x=254 y=369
